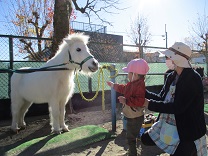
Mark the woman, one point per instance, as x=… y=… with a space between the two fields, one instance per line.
x=181 y=128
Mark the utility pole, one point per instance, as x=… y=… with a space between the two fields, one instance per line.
x=206 y=48
x=166 y=38
x=140 y=43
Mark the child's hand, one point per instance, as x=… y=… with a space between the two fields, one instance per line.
x=109 y=83
x=146 y=103
x=122 y=99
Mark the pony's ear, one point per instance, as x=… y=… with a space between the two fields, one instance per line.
x=85 y=38
x=68 y=40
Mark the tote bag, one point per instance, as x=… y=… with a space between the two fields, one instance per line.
x=169 y=134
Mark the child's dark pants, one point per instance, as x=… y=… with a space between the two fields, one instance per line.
x=132 y=131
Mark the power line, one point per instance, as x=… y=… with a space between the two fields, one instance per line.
x=5 y=22
x=117 y=32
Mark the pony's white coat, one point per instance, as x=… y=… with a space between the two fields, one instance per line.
x=52 y=87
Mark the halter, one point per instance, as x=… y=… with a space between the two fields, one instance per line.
x=81 y=63
x=48 y=68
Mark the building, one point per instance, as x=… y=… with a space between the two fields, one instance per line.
x=198 y=58
x=105 y=47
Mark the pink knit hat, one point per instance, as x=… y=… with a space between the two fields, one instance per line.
x=138 y=66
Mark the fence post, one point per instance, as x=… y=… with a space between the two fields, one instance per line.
x=113 y=98
x=11 y=59
x=90 y=84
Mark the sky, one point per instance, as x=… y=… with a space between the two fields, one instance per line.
x=177 y=15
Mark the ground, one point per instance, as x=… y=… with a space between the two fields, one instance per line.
x=39 y=126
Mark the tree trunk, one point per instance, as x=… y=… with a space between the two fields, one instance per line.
x=61 y=19
x=61 y=26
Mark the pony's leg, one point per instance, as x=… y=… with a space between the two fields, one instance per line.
x=54 y=115
x=64 y=127
x=16 y=106
x=22 y=113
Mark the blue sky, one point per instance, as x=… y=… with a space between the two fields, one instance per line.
x=178 y=15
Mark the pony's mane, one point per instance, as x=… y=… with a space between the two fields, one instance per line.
x=77 y=37
x=72 y=38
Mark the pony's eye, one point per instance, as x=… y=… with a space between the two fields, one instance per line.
x=78 y=49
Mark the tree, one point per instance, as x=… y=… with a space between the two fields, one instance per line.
x=199 y=36
x=30 y=18
x=34 y=18
x=198 y=33
x=139 y=33
x=63 y=11
x=61 y=19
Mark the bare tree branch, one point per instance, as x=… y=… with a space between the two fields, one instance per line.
x=198 y=31
x=28 y=47
x=91 y=8
x=139 y=31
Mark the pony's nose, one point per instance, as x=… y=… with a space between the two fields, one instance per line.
x=95 y=63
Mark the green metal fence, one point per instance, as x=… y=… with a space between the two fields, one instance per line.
x=14 y=56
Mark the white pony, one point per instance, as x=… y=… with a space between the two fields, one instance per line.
x=52 y=87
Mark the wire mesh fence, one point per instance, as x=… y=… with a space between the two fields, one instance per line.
x=18 y=51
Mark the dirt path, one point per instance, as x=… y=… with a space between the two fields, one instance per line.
x=39 y=126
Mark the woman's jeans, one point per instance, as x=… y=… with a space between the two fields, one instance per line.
x=183 y=149
x=132 y=131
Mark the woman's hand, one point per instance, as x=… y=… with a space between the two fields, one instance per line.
x=109 y=83
x=122 y=99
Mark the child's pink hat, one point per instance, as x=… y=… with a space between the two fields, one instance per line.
x=138 y=66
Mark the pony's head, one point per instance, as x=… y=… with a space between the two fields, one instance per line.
x=79 y=54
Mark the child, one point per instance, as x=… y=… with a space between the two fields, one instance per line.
x=133 y=100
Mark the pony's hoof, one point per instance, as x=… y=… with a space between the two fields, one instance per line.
x=15 y=131
x=23 y=127
x=65 y=130
x=56 y=132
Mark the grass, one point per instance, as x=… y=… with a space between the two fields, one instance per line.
x=206 y=107
x=54 y=144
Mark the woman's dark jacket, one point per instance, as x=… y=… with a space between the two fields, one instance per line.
x=188 y=105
